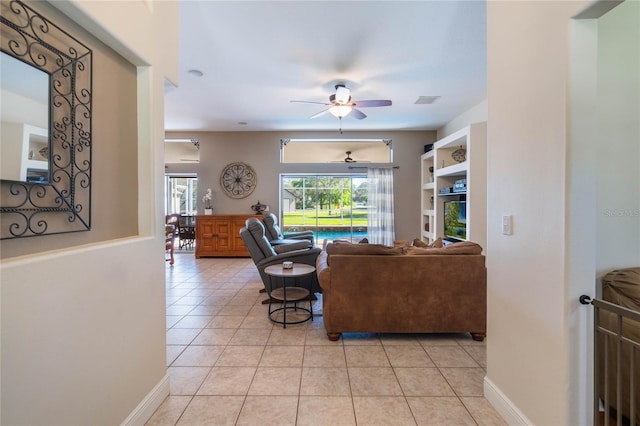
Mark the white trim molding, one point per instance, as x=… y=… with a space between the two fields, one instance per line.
x=143 y=412
x=503 y=405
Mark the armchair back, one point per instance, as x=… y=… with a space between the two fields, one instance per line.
x=263 y=254
x=271 y=226
x=275 y=234
x=254 y=236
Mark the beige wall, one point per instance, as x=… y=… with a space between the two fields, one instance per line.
x=114 y=202
x=83 y=323
x=526 y=133
x=545 y=103
x=261 y=150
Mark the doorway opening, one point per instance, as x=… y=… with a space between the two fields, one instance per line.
x=181 y=199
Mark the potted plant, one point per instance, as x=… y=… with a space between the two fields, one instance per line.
x=208 y=208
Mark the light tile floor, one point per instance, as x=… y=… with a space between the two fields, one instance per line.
x=229 y=365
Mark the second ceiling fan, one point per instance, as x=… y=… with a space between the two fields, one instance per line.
x=341 y=105
x=348 y=159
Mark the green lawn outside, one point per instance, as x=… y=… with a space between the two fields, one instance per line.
x=337 y=217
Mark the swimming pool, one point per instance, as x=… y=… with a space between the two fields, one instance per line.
x=323 y=233
x=334 y=235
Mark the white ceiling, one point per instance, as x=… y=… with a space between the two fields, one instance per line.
x=256 y=56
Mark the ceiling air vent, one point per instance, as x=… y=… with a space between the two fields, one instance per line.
x=424 y=100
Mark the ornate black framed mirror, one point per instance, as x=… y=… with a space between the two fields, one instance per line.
x=58 y=199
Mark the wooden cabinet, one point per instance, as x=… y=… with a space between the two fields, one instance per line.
x=219 y=236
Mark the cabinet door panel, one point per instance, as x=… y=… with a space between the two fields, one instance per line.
x=236 y=240
x=205 y=241
x=219 y=235
x=222 y=237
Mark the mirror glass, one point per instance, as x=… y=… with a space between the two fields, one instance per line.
x=52 y=193
x=24 y=121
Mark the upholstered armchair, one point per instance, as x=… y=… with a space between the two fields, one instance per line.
x=275 y=235
x=264 y=254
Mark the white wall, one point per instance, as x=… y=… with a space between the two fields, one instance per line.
x=476 y=114
x=83 y=330
x=618 y=147
x=23 y=110
x=542 y=165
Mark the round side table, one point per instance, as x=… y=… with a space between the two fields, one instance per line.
x=290 y=293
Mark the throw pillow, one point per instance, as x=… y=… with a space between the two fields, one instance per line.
x=336 y=241
x=464 y=247
x=436 y=244
x=417 y=242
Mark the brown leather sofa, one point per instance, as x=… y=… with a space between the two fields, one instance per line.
x=373 y=288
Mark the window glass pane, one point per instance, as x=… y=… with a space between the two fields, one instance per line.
x=333 y=206
x=181 y=195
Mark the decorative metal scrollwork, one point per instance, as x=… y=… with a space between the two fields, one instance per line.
x=238 y=180
x=63 y=205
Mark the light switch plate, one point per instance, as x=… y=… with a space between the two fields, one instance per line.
x=507 y=224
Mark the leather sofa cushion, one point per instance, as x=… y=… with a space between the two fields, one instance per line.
x=377 y=249
x=622 y=287
x=464 y=247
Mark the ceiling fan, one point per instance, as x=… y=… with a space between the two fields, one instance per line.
x=340 y=104
x=348 y=159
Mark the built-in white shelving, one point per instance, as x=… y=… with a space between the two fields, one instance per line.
x=440 y=170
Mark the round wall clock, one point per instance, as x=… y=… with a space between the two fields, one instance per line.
x=238 y=180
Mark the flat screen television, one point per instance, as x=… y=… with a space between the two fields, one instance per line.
x=455 y=220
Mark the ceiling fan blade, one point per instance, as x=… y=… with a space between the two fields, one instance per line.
x=372 y=103
x=357 y=114
x=323 y=112
x=311 y=102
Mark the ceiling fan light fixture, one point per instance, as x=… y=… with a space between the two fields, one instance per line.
x=342 y=94
x=340 y=111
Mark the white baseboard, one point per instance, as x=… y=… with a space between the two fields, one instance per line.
x=503 y=405
x=143 y=412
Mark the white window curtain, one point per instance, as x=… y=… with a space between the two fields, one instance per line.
x=380 y=193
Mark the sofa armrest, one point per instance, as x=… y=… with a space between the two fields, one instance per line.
x=301 y=235
x=323 y=271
